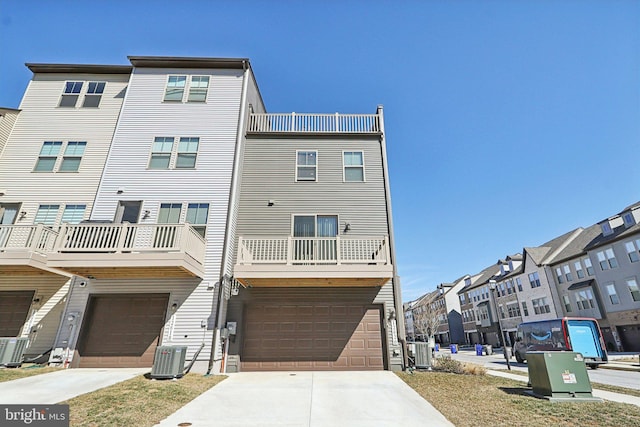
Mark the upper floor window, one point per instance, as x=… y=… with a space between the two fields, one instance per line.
x=48 y=156
x=579 y=271
x=628 y=219
x=306 y=165
x=198 y=89
x=588 y=265
x=584 y=299
x=169 y=213
x=94 y=94
x=525 y=310
x=633 y=250
x=613 y=295
x=632 y=283
x=567 y=303
x=70 y=94
x=187 y=152
x=607 y=259
x=534 y=279
x=46 y=214
x=540 y=306
x=606 y=228
x=73 y=214
x=559 y=275
x=567 y=272
x=162 y=152
x=353 y=163
x=197 y=214
x=175 y=88
x=519 y=283
x=72 y=156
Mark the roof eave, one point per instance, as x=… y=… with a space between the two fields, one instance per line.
x=188 y=62
x=79 y=68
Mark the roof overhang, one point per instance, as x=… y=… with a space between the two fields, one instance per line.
x=581 y=285
x=79 y=68
x=188 y=62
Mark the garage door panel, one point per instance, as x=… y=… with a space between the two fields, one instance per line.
x=14 y=309
x=122 y=330
x=337 y=337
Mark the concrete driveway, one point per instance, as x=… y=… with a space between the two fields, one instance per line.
x=65 y=384
x=310 y=399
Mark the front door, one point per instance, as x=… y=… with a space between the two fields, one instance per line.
x=8 y=214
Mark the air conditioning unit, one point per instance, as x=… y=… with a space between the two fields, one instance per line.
x=12 y=351
x=422 y=355
x=169 y=362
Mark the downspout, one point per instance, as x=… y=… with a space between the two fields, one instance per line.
x=392 y=248
x=228 y=236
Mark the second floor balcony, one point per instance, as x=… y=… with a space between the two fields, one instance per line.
x=116 y=251
x=313 y=261
x=24 y=249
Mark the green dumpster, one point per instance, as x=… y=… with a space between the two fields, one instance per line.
x=559 y=376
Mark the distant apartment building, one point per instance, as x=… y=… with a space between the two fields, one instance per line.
x=159 y=203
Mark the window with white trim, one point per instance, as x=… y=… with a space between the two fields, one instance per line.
x=567 y=273
x=48 y=156
x=613 y=295
x=519 y=284
x=567 y=303
x=540 y=306
x=589 y=266
x=525 y=310
x=306 y=165
x=559 y=276
x=94 y=94
x=584 y=299
x=628 y=219
x=47 y=214
x=534 y=279
x=73 y=214
x=632 y=284
x=607 y=259
x=70 y=94
x=72 y=156
x=606 y=228
x=579 y=271
x=633 y=250
x=167 y=155
x=198 y=88
x=169 y=213
x=353 y=166
x=197 y=214
x=175 y=88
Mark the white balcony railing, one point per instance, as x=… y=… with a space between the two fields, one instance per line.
x=313 y=123
x=117 y=238
x=313 y=250
x=37 y=238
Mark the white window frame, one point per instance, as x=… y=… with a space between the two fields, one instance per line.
x=72 y=94
x=559 y=275
x=612 y=293
x=607 y=259
x=345 y=166
x=174 y=153
x=298 y=166
x=55 y=156
x=198 y=89
x=577 y=265
x=633 y=250
x=174 y=87
x=634 y=288
x=76 y=216
x=51 y=215
x=567 y=303
x=60 y=156
x=588 y=266
x=191 y=89
x=567 y=273
x=68 y=156
x=95 y=94
x=628 y=219
x=535 y=282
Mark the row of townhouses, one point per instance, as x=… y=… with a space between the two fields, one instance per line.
x=158 y=203
x=588 y=272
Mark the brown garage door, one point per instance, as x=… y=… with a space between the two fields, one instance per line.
x=312 y=336
x=14 y=309
x=122 y=330
x=630 y=337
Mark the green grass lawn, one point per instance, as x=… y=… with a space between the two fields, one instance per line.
x=484 y=400
x=8 y=374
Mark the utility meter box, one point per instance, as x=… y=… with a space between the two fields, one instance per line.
x=559 y=376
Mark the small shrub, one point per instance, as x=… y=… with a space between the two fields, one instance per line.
x=473 y=369
x=447 y=364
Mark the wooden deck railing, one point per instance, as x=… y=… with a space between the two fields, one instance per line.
x=313 y=123
x=37 y=238
x=115 y=238
x=313 y=250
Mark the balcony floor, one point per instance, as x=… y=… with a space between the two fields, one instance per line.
x=27 y=263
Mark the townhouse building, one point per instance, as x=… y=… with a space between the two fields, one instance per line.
x=8 y=118
x=615 y=256
x=507 y=286
x=50 y=170
x=480 y=326
x=315 y=254
x=451 y=330
x=176 y=211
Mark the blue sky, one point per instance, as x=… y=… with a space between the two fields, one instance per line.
x=508 y=122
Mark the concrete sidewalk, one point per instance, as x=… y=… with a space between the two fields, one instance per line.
x=62 y=385
x=607 y=395
x=311 y=399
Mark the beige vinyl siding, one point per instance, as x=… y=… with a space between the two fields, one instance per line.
x=269 y=174
x=7 y=120
x=44 y=315
x=145 y=116
x=42 y=120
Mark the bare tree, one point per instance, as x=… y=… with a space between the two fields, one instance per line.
x=428 y=315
